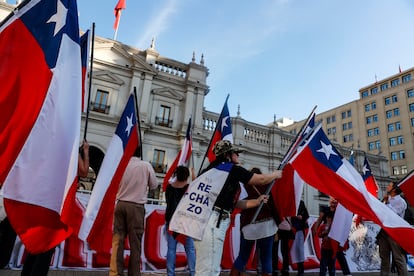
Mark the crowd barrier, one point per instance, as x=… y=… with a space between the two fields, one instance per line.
x=362 y=255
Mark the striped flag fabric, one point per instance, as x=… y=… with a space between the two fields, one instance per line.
x=407 y=186
x=85 y=44
x=182 y=158
x=40 y=122
x=322 y=166
x=287 y=191
x=98 y=217
x=369 y=179
x=223 y=131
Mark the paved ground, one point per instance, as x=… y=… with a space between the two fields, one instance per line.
x=7 y=272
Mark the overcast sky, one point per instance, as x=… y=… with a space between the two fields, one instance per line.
x=274 y=57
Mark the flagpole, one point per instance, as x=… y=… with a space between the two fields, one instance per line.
x=286 y=158
x=212 y=137
x=119 y=20
x=90 y=82
x=138 y=122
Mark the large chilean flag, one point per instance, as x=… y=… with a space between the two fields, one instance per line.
x=320 y=165
x=40 y=102
x=98 y=217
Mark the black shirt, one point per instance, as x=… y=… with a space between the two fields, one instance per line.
x=228 y=195
x=173 y=196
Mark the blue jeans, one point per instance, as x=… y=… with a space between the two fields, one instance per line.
x=171 y=253
x=265 y=250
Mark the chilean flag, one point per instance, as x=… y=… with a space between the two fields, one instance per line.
x=407 y=186
x=98 y=217
x=40 y=123
x=369 y=179
x=182 y=157
x=85 y=54
x=322 y=166
x=287 y=191
x=223 y=131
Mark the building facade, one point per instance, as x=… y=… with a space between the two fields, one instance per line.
x=380 y=123
x=169 y=92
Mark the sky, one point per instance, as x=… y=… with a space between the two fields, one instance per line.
x=273 y=57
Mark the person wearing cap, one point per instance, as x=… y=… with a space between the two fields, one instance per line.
x=209 y=249
x=386 y=244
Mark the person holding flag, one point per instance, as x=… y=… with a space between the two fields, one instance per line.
x=219 y=187
x=386 y=244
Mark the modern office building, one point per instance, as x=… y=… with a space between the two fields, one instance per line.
x=380 y=122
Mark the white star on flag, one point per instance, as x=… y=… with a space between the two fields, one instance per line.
x=223 y=123
x=129 y=124
x=326 y=149
x=59 y=17
x=365 y=169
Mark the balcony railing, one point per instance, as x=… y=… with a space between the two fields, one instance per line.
x=99 y=107
x=163 y=122
x=159 y=168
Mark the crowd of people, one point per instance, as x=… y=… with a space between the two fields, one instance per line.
x=241 y=189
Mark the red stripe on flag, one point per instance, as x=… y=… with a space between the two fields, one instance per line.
x=102 y=226
x=23 y=92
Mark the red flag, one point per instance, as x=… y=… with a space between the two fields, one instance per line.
x=182 y=157
x=40 y=135
x=223 y=131
x=117 y=11
x=323 y=167
x=407 y=186
x=85 y=55
x=98 y=218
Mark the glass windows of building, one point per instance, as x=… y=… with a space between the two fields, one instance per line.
x=412 y=122
x=396 y=112
x=370 y=132
x=396 y=170
x=158 y=161
x=373 y=105
x=343 y=115
x=349 y=112
x=395 y=82
x=390 y=127
x=394 y=98
x=388 y=114
x=378 y=144
x=369 y=120
x=393 y=141
x=364 y=94
x=376 y=131
x=371 y=146
x=397 y=125
x=401 y=154
x=384 y=86
x=406 y=78
x=403 y=169
x=367 y=107
x=349 y=125
x=374 y=90
x=394 y=155
x=163 y=118
x=411 y=107
x=101 y=102
x=387 y=100
x=410 y=93
x=400 y=140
